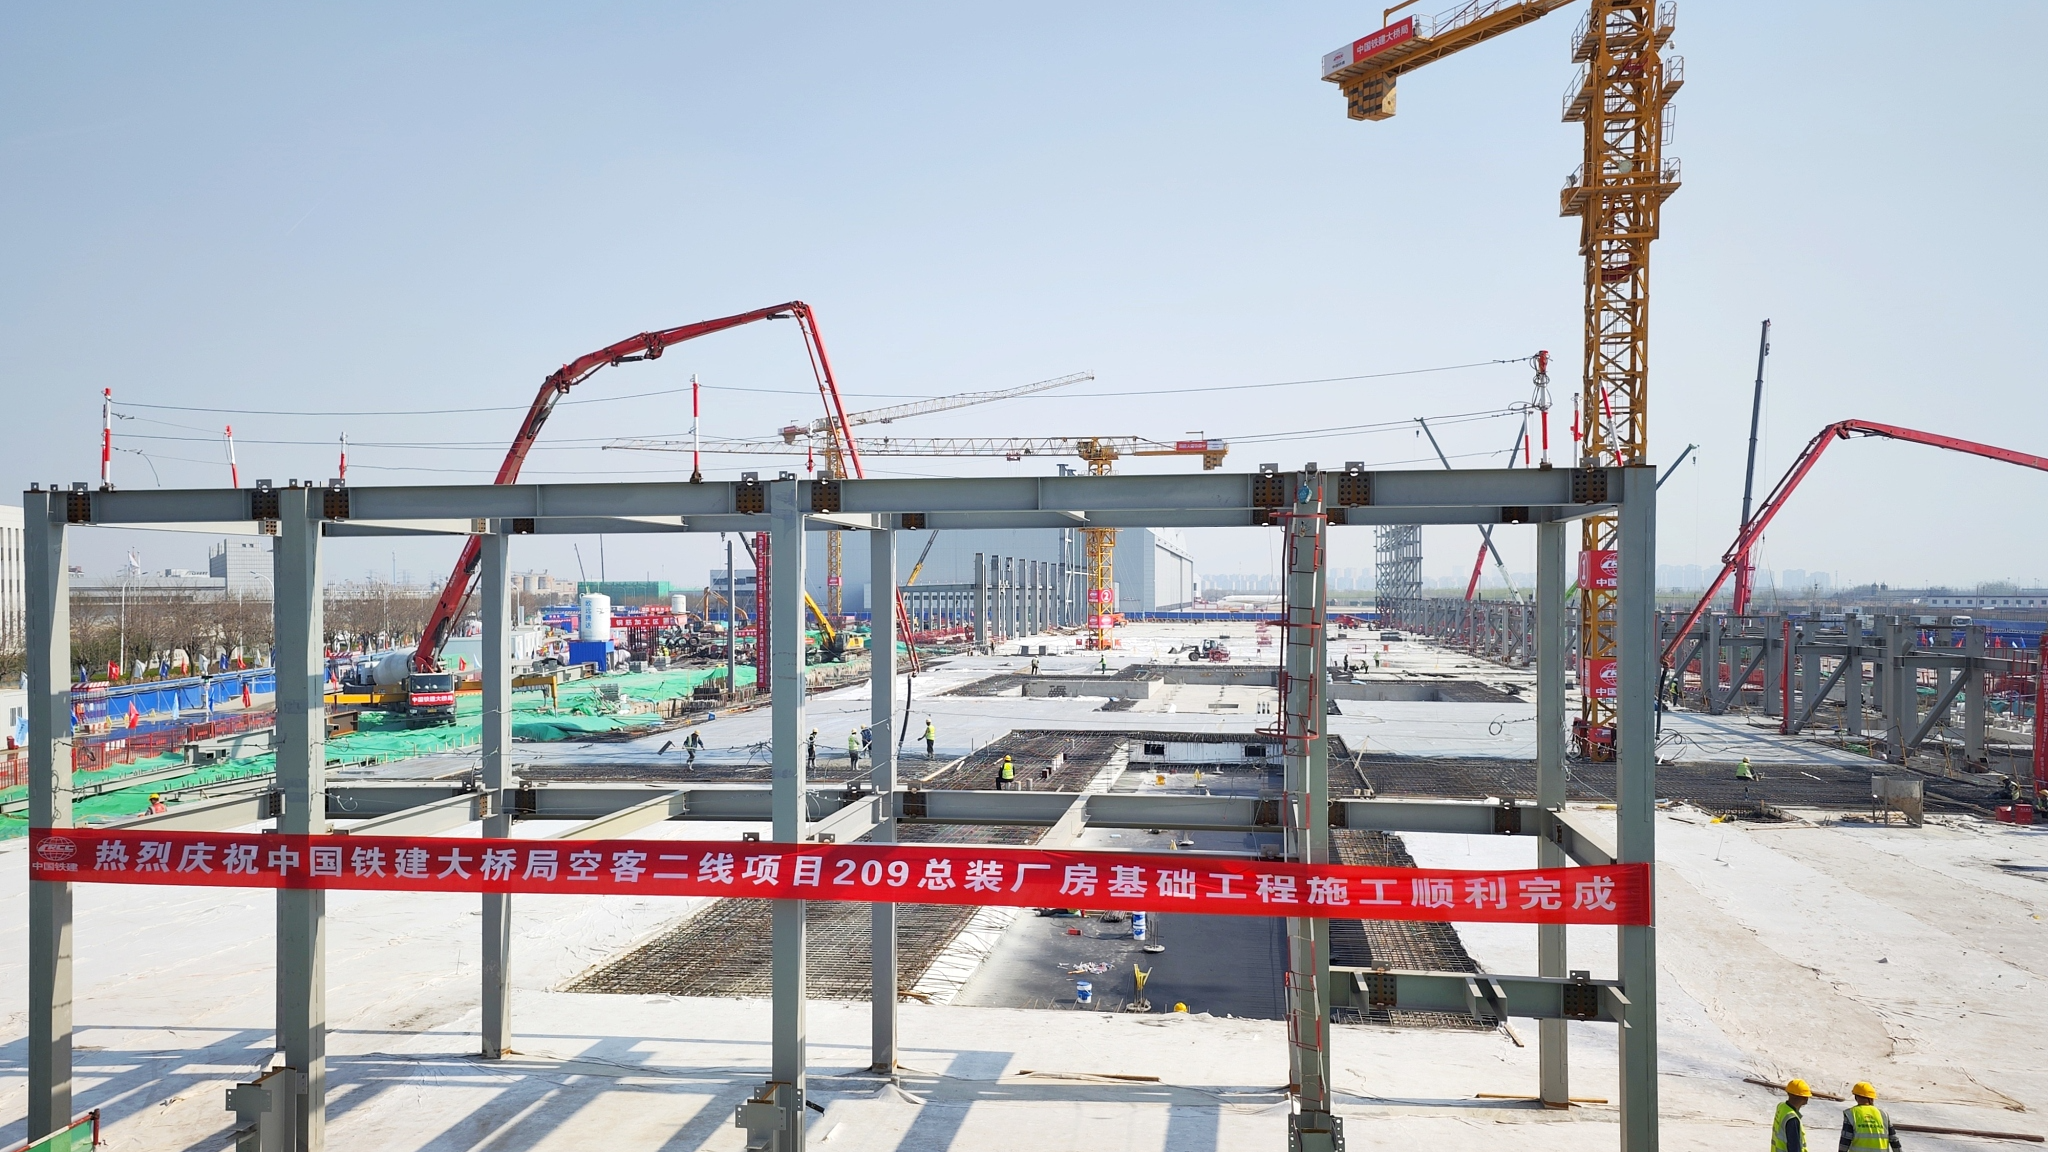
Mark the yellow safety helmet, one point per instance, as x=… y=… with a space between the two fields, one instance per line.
x=1864 y=1090
x=1798 y=1088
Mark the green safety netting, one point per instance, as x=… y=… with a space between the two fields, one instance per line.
x=583 y=709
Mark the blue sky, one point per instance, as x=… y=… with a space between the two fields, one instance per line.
x=374 y=208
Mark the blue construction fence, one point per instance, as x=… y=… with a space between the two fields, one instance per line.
x=161 y=702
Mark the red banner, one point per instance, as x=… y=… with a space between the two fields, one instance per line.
x=878 y=873
x=1600 y=568
x=1600 y=677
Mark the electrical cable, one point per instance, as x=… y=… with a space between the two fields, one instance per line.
x=808 y=392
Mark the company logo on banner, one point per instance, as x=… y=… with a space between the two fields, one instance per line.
x=1600 y=568
x=1368 y=46
x=882 y=874
x=1600 y=677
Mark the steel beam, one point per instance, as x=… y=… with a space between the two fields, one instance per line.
x=350 y=800
x=429 y=819
x=46 y=575
x=1636 y=798
x=1574 y=836
x=1487 y=997
x=301 y=773
x=1479 y=495
x=882 y=763
x=626 y=821
x=1553 y=1051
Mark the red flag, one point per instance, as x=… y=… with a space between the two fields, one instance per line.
x=134 y=717
x=245 y=694
x=113 y=670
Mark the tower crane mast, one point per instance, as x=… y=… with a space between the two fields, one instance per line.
x=1622 y=96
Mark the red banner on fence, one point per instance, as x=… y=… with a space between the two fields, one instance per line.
x=878 y=873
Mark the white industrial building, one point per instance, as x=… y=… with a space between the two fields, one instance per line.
x=1154 y=570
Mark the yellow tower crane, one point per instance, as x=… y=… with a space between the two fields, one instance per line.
x=1100 y=453
x=1622 y=95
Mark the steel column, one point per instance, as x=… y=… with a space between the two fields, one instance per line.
x=1710 y=666
x=786 y=658
x=1636 y=798
x=981 y=634
x=1553 y=1048
x=1902 y=682
x=1973 y=694
x=497 y=747
x=1303 y=691
x=882 y=757
x=1809 y=678
x=301 y=782
x=48 y=594
x=1774 y=668
x=732 y=625
x=1852 y=676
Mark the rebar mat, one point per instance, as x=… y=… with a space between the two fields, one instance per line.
x=724 y=950
x=1429 y=946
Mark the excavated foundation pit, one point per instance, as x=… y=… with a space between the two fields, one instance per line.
x=723 y=949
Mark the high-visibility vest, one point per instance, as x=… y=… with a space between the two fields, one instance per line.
x=930 y=733
x=1873 y=1129
x=1009 y=770
x=1778 y=1143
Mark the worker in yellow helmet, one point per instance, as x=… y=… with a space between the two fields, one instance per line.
x=1786 y=1134
x=1006 y=776
x=1865 y=1127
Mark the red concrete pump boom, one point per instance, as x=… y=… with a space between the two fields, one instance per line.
x=1738 y=553
x=646 y=346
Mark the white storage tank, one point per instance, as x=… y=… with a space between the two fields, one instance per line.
x=594 y=617
x=678 y=604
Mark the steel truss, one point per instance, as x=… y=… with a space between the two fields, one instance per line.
x=1397 y=573
x=1306 y=504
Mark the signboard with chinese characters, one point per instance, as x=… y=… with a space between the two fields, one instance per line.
x=898 y=873
x=1600 y=568
x=1600 y=677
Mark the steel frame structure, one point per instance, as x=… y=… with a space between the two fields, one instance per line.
x=1801 y=664
x=1306 y=504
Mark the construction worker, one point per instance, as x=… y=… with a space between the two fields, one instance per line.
x=1786 y=1133
x=1006 y=776
x=1865 y=1127
x=1034 y=665
x=853 y=748
x=1742 y=771
x=156 y=804
x=931 y=738
x=2010 y=789
x=811 y=751
x=1102 y=664
x=692 y=743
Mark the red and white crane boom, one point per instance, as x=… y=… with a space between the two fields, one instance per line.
x=1738 y=553
x=646 y=346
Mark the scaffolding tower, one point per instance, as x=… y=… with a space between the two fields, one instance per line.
x=1397 y=571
